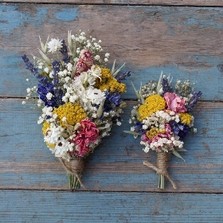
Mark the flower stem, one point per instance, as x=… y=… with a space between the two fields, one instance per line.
x=73 y=182
x=161 y=181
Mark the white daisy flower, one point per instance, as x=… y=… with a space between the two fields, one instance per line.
x=54 y=44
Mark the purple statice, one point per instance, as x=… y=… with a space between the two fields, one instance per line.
x=64 y=52
x=193 y=100
x=166 y=85
x=179 y=129
x=30 y=66
x=122 y=76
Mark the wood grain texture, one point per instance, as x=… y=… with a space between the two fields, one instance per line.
x=26 y=163
x=88 y=207
x=129 y=2
x=178 y=40
x=183 y=41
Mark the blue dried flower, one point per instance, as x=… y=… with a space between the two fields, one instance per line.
x=179 y=129
x=122 y=76
x=138 y=128
x=45 y=86
x=114 y=98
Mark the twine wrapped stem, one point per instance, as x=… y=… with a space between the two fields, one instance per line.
x=74 y=170
x=161 y=169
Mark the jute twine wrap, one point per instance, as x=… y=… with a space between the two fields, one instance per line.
x=162 y=165
x=74 y=167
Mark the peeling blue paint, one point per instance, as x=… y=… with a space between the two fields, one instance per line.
x=206 y=79
x=8 y=20
x=67 y=15
x=11 y=18
x=12 y=79
x=205 y=20
x=189 y=17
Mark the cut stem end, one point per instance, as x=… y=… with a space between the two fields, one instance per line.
x=161 y=182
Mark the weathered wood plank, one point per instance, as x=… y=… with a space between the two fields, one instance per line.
x=26 y=163
x=129 y=2
x=184 y=41
x=34 y=206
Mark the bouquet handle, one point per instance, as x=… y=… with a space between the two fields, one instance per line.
x=74 y=169
x=161 y=169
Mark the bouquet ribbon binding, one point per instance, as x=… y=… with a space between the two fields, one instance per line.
x=74 y=169
x=161 y=169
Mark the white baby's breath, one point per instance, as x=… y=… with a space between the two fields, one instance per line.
x=73 y=80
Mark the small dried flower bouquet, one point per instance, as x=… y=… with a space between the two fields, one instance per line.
x=80 y=98
x=162 y=119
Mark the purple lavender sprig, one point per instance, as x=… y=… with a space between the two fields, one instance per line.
x=64 y=52
x=30 y=66
x=166 y=85
x=193 y=100
x=45 y=85
x=122 y=76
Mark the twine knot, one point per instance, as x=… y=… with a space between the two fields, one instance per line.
x=74 y=167
x=162 y=165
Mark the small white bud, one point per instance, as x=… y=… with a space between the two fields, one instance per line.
x=46 y=69
x=119 y=123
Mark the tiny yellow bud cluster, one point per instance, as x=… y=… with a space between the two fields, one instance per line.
x=109 y=83
x=70 y=114
x=152 y=104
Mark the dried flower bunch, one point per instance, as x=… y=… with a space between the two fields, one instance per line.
x=79 y=95
x=163 y=118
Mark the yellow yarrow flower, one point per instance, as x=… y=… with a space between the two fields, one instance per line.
x=152 y=104
x=108 y=82
x=186 y=118
x=154 y=132
x=45 y=129
x=70 y=114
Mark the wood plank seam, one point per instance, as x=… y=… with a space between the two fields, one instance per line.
x=112 y=4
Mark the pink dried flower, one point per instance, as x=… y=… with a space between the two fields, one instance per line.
x=87 y=134
x=174 y=102
x=87 y=57
x=85 y=62
x=144 y=138
x=81 y=66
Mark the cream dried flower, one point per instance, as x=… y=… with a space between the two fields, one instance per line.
x=54 y=44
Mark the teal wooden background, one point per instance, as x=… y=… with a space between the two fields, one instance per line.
x=184 y=38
